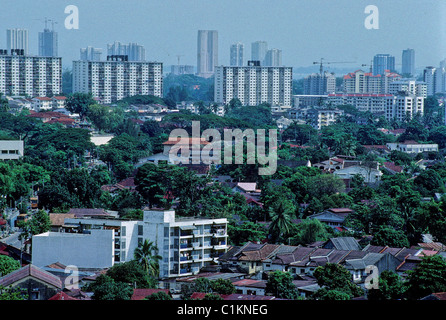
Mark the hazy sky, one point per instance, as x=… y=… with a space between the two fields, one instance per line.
x=305 y=30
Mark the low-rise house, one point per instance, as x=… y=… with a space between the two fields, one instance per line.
x=333 y=217
x=413 y=147
x=342 y=243
x=36 y=283
x=58 y=102
x=250 y=287
x=371 y=175
x=361 y=267
x=41 y=103
x=58 y=221
x=391 y=167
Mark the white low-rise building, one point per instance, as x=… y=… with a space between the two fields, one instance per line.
x=185 y=244
x=11 y=149
x=413 y=147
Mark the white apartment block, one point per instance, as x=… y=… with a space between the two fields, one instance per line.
x=253 y=85
x=185 y=244
x=115 y=79
x=409 y=86
x=405 y=107
x=365 y=82
x=33 y=76
x=367 y=102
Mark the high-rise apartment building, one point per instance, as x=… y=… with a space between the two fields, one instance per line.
x=90 y=54
x=253 y=85
x=366 y=82
x=48 y=43
x=237 y=54
x=17 y=39
x=408 y=62
x=134 y=51
x=430 y=77
x=207 y=52
x=405 y=107
x=273 y=58
x=34 y=76
x=258 y=51
x=383 y=62
x=319 y=84
x=117 y=78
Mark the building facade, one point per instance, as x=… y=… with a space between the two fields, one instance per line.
x=366 y=82
x=90 y=54
x=185 y=244
x=17 y=39
x=11 y=149
x=273 y=58
x=319 y=84
x=134 y=51
x=207 y=52
x=408 y=59
x=34 y=76
x=383 y=62
x=258 y=51
x=48 y=43
x=236 y=53
x=117 y=78
x=253 y=85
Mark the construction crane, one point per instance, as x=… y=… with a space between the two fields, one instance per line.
x=331 y=62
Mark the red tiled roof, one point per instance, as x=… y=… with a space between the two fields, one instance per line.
x=43 y=98
x=31 y=271
x=141 y=294
x=61 y=296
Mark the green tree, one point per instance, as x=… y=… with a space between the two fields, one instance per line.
x=428 y=277
x=147 y=255
x=388 y=236
x=9 y=293
x=106 y=288
x=79 y=102
x=223 y=286
x=280 y=284
x=281 y=225
x=390 y=287
x=335 y=277
x=132 y=273
x=8 y=265
x=309 y=231
x=161 y=295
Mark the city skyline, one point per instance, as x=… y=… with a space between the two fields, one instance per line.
x=304 y=31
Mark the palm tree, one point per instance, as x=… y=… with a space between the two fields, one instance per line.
x=281 y=224
x=147 y=255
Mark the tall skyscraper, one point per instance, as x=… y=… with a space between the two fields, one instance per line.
x=48 y=43
x=90 y=54
x=117 y=78
x=408 y=61
x=17 y=39
x=429 y=79
x=207 y=52
x=383 y=62
x=237 y=54
x=273 y=58
x=29 y=75
x=258 y=51
x=134 y=51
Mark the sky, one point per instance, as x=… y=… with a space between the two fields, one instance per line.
x=305 y=30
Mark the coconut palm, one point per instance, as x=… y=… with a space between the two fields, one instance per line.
x=147 y=255
x=281 y=224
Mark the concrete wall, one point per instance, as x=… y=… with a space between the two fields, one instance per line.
x=93 y=250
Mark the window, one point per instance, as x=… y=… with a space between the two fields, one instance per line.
x=123 y=231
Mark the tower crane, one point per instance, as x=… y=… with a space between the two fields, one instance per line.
x=178 y=57
x=329 y=62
